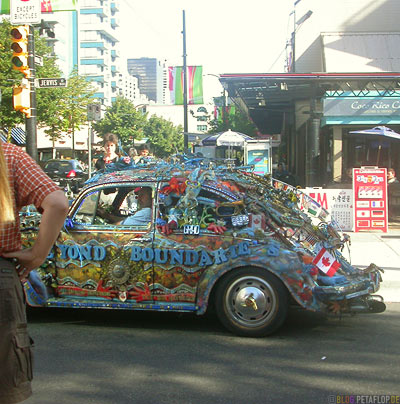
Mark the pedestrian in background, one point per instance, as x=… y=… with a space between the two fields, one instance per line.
x=393 y=194
x=144 y=154
x=110 y=145
x=22 y=183
x=133 y=154
x=391 y=176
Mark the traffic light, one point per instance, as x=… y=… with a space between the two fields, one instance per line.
x=19 y=46
x=22 y=98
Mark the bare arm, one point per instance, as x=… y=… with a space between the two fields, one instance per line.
x=55 y=209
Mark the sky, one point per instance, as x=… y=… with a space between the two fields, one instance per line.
x=223 y=36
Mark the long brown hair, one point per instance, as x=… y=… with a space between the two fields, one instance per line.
x=6 y=202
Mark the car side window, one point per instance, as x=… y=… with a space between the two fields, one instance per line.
x=86 y=211
x=119 y=206
x=200 y=207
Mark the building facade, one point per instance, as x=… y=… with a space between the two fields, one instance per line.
x=344 y=77
x=152 y=78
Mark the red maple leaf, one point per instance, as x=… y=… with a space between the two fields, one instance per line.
x=326 y=262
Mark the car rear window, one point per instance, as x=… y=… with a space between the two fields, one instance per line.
x=59 y=165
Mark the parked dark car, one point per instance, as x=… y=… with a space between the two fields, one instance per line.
x=65 y=172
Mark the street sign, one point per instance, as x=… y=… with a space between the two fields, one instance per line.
x=25 y=12
x=38 y=60
x=51 y=82
x=94 y=112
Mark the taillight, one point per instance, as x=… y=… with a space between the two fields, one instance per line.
x=71 y=174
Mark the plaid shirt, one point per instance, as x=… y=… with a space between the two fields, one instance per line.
x=29 y=185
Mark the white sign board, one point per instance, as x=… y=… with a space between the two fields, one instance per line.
x=25 y=12
x=51 y=82
x=338 y=202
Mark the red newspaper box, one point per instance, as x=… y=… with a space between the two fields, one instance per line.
x=370 y=199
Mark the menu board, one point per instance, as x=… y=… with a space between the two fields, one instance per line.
x=370 y=199
x=338 y=202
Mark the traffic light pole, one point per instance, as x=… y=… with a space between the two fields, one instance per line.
x=30 y=123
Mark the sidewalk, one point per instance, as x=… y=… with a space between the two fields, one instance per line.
x=382 y=249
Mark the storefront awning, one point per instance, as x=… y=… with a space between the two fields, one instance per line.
x=17 y=134
x=266 y=97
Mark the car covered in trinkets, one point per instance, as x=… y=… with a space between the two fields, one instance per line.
x=29 y=217
x=244 y=244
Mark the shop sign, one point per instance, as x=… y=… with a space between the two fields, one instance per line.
x=370 y=199
x=361 y=106
x=338 y=202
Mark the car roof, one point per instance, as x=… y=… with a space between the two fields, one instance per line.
x=219 y=180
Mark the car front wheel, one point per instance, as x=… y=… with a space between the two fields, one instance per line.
x=251 y=302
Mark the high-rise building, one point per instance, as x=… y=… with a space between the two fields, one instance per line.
x=149 y=72
x=98 y=53
x=88 y=39
x=129 y=89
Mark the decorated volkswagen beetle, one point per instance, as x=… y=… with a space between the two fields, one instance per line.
x=245 y=244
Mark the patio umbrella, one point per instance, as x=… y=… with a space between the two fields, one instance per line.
x=228 y=138
x=382 y=131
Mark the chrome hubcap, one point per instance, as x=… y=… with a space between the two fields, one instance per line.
x=251 y=301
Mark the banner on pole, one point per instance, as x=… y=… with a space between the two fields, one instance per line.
x=194 y=84
x=46 y=6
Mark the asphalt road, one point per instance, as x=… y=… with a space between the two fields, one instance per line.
x=110 y=357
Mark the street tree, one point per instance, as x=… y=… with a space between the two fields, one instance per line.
x=73 y=105
x=164 y=137
x=123 y=120
x=232 y=118
x=59 y=110
x=9 y=118
x=49 y=100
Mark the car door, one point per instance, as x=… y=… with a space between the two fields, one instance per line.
x=95 y=255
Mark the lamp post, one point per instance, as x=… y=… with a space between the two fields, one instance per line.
x=297 y=23
x=185 y=103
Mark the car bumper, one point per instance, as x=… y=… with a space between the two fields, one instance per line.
x=354 y=294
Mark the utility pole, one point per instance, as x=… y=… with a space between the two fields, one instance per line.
x=185 y=103
x=30 y=123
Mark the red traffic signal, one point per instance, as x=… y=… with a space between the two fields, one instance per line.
x=19 y=46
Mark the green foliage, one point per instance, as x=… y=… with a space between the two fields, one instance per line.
x=129 y=125
x=123 y=120
x=75 y=98
x=164 y=137
x=8 y=77
x=64 y=110
x=59 y=110
x=238 y=122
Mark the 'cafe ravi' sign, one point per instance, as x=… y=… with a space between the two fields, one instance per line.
x=361 y=106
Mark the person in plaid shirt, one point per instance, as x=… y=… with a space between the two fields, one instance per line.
x=22 y=183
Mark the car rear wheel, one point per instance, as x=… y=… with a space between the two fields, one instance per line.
x=251 y=302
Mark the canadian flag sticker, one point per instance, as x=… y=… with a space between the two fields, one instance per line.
x=326 y=262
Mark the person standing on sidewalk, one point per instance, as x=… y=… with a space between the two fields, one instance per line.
x=22 y=183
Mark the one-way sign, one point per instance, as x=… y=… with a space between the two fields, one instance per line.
x=52 y=82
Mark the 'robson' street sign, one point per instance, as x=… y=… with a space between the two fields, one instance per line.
x=52 y=82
